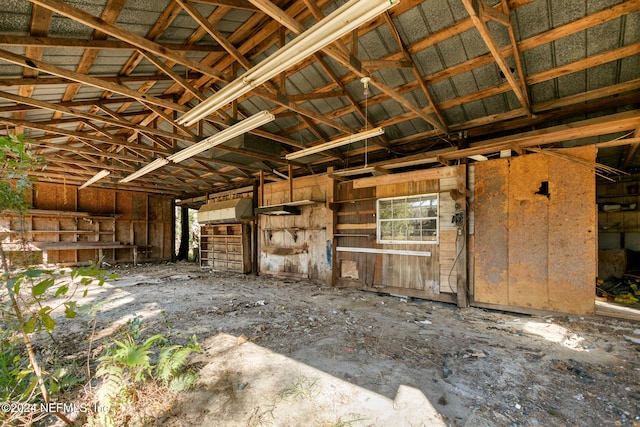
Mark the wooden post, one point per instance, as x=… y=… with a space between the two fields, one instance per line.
x=462 y=281
x=255 y=268
x=332 y=219
x=290 y=183
x=261 y=192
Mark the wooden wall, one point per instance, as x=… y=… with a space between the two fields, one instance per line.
x=104 y=216
x=422 y=270
x=297 y=245
x=531 y=250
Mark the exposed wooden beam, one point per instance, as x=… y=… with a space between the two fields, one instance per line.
x=374 y=64
x=57 y=131
x=69 y=42
x=217 y=35
x=39 y=26
x=301 y=110
x=38 y=145
x=516 y=52
x=88 y=80
x=489 y=13
x=235 y=4
x=416 y=72
x=95 y=117
x=597 y=18
x=316 y=95
x=169 y=119
x=171 y=73
x=110 y=15
x=345 y=61
x=583 y=64
x=582 y=129
x=630 y=86
x=578 y=130
x=617 y=142
x=53 y=81
x=127 y=36
x=278 y=15
x=473 y=8
x=632 y=150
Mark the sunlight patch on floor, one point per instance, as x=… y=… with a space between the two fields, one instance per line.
x=245 y=384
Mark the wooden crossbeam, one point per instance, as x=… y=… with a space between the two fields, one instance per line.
x=95 y=117
x=70 y=42
x=88 y=80
x=473 y=9
x=165 y=68
x=127 y=36
x=416 y=73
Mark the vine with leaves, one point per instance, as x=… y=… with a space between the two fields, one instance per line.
x=25 y=291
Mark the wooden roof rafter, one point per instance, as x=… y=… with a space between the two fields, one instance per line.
x=482 y=107
x=416 y=72
x=127 y=36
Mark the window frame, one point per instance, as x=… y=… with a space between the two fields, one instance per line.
x=379 y=220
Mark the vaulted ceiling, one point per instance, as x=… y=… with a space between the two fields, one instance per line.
x=102 y=84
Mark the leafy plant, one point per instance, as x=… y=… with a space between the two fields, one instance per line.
x=128 y=364
x=24 y=296
x=171 y=360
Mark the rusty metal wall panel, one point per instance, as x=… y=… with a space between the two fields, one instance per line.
x=491 y=255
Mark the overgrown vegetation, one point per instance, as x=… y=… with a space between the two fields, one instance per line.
x=31 y=298
x=24 y=310
x=128 y=364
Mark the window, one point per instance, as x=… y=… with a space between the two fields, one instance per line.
x=412 y=219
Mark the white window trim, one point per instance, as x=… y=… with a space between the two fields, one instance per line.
x=409 y=242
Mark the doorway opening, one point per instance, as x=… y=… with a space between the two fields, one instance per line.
x=187 y=232
x=618 y=286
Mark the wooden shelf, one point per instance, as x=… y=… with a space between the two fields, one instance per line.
x=225 y=247
x=60 y=232
x=64 y=231
x=67 y=214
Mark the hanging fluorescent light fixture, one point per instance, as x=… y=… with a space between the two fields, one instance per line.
x=334 y=144
x=156 y=164
x=231 y=132
x=95 y=178
x=335 y=25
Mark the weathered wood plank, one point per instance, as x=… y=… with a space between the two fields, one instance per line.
x=398 y=178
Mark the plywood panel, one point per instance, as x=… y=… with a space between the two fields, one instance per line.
x=96 y=200
x=156 y=238
x=156 y=208
x=167 y=248
x=572 y=234
x=54 y=197
x=491 y=256
x=124 y=205
x=528 y=232
x=139 y=206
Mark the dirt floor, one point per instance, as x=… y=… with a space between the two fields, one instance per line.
x=280 y=352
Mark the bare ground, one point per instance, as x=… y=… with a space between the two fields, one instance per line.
x=293 y=353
